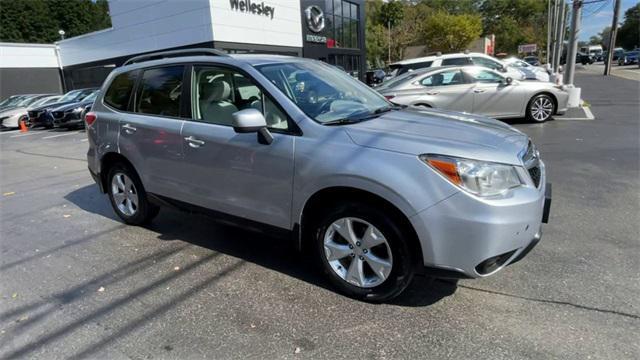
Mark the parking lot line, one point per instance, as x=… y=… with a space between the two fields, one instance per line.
x=9 y=132
x=55 y=136
x=27 y=134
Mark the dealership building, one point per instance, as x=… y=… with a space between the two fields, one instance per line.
x=327 y=30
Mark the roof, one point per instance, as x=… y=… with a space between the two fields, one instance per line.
x=434 y=57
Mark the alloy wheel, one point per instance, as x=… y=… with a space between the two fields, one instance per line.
x=542 y=108
x=125 y=194
x=358 y=252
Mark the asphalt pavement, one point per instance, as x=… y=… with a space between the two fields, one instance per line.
x=77 y=283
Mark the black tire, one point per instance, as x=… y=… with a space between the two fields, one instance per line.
x=531 y=116
x=403 y=264
x=145 y=211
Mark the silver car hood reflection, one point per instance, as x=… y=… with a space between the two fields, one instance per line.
x=416 y=132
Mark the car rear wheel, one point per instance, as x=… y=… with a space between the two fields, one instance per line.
x=541 y=108
x=128 y=197
x=364 y=252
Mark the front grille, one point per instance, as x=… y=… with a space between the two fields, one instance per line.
x=57 y=114
x=535 y=174
x=531 y=160
x=33 y=114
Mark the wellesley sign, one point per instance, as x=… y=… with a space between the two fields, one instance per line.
x=249 y=6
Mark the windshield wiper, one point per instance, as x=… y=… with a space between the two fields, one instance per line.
x=343 y=121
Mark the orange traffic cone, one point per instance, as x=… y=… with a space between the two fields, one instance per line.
x=23 y=126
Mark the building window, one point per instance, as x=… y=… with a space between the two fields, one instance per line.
x=345 y=24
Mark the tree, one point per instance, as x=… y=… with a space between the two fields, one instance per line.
x=450 y=33
x=629 y=33
x=38 y=21
x=391 y=13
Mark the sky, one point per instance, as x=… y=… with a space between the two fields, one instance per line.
x=596 y=16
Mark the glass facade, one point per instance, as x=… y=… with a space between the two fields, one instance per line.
x=344 y=23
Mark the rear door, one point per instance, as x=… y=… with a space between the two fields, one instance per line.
x=492 y=96
x=447 y=90
x=230 y=172
x=150 y=134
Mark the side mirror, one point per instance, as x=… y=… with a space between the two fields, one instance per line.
x=503 y=69
x=252 y=121
x=508 y=80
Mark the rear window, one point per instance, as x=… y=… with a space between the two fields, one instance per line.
x=456 y=61
x=117 y=96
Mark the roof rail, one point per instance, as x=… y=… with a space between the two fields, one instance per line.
x=174 y=53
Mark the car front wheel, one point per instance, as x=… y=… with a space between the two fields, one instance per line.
x=128 y=197
x=364 y=252
x=540 y=108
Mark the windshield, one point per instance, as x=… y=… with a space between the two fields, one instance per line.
x=43 y=101
x=91 y=97
x=70 y=96
x=391 y=83
x=28 y=101
x=324 y=93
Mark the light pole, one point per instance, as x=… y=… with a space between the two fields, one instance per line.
x=389 y=26
x=612 y=38
x=61 y=33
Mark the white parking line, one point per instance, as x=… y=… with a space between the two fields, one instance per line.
x=27 y=134
x=55 y=136
x=9 y=132
x=83 y=140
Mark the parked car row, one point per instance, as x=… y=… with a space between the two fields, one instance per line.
x=47 y=110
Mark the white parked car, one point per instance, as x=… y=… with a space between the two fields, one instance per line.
x=10 y=118
x=478 y=90
x=531 y=72
x=458 y=59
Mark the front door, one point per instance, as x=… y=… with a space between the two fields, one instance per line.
x=230 y=172
x=492 y=96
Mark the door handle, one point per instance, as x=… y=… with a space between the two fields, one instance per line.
x=433 y=92
x=193 y=142
x=129 y=129
x=479 y=91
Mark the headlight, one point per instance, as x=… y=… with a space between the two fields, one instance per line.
x=78 y=109
x=477 y=177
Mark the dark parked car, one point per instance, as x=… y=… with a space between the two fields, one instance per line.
x=532 y=60
x=581 y=58
x=72 y=115
x=629 y=57
x=375 y=77
x=41 y=116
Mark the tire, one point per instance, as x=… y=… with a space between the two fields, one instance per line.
x=133 y=206
x=538 y=109
x=352 y=253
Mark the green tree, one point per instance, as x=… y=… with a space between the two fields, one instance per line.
x=392 y=13
x=629 y=33
x=450 y=33
x=38 y=21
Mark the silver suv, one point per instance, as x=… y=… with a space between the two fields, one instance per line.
x=377 y=192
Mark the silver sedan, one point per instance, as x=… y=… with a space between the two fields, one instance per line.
x=477 y=90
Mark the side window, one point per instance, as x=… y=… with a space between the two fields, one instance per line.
x=220 y=92
x=485 y=76
x=117 y=96
x=420 y=65
x=453 y=77
x=160 y=91
x=456 y=61
x=480 y=61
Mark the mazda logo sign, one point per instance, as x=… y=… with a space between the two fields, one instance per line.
x=315 y=18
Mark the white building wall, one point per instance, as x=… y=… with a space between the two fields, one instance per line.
x=141 y=26
x=14 y=55
x=285 y=29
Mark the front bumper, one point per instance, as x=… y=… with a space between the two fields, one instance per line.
x=67 y=119
x=465 y=236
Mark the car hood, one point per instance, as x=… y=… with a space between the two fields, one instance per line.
x=431 y=131
x=12 y=111
x=69 y=106
x=51 y=106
